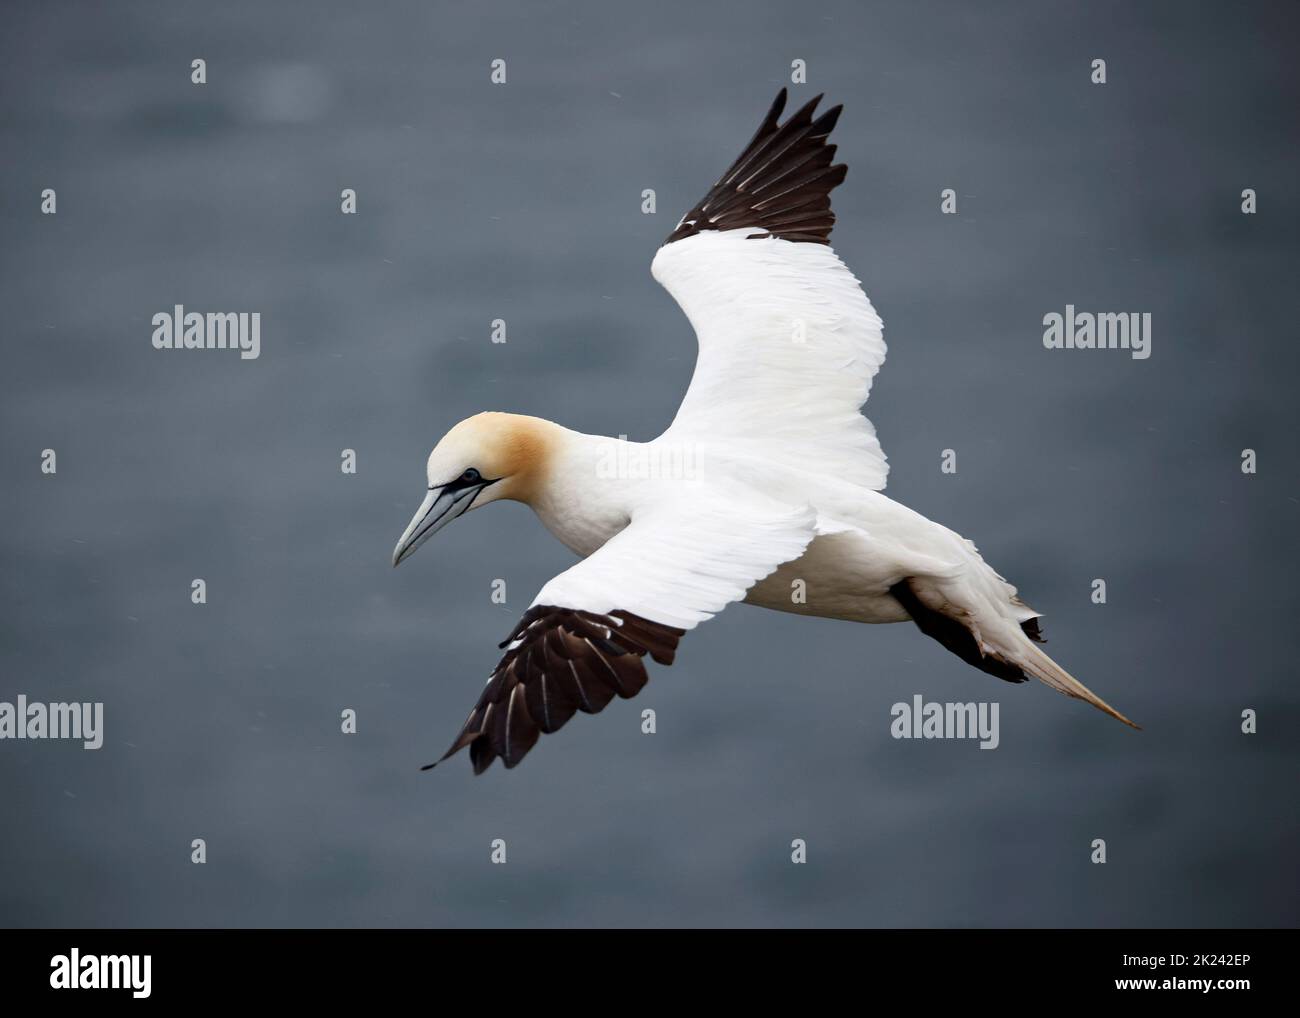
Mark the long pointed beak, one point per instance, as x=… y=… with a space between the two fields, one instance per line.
x=440 y=507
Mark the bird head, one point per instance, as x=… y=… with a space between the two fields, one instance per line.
x=484 y=458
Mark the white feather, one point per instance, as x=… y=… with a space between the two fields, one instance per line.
x=789 y=345
x=682 y=562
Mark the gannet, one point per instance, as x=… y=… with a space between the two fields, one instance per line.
x=765 y=489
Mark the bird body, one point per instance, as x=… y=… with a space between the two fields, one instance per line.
x=863 y=542
x=765 y=488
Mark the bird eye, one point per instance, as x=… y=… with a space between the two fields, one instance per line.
x=471 y=475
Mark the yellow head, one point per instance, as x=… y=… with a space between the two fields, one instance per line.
x=484 y=458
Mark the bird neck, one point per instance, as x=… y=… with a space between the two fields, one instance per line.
x=582 y=497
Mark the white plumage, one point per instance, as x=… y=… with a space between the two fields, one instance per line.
x=765 y=488
x=789 y=345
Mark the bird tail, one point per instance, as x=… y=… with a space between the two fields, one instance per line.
x=977 y=629
x=1035 y=662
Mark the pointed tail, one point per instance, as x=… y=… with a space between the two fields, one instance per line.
x=985 y=638
x=1034 y=662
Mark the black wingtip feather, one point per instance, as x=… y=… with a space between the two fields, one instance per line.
x=746 y=196
x=565 y=660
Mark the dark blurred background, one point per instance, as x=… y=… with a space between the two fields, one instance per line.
x=522 y=202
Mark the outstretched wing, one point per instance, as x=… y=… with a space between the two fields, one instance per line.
x=583 y=640
x=789 y=343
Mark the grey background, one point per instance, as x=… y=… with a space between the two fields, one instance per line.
x=523 y=202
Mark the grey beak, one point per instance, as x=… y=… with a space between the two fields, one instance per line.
x=440 y=506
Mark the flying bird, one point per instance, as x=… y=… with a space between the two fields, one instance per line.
x=768 y=481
